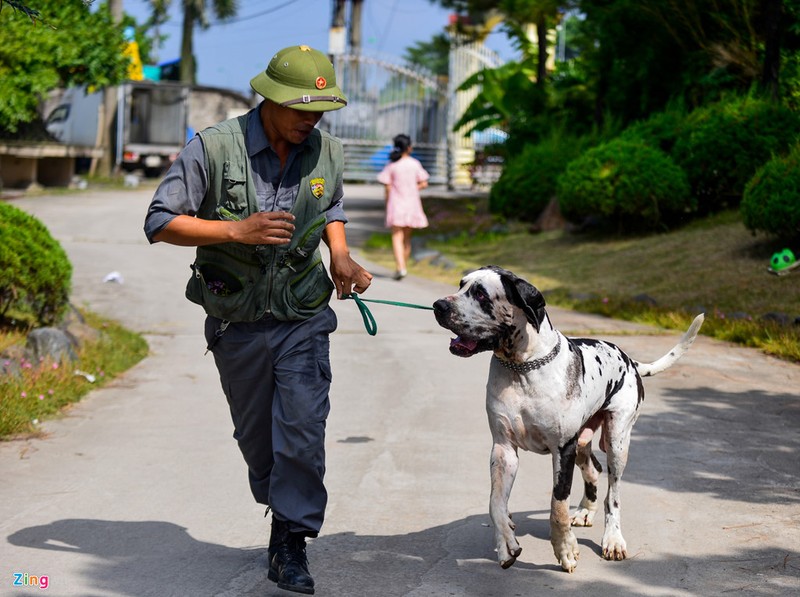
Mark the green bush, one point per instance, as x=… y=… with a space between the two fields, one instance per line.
x=528 y=181
x=660 y=130
x=628 y=184
x=35 y=273
x=771 y=201
x=722 y=146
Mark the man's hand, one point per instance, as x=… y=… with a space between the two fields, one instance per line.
x=348 y=276
x=265 y=228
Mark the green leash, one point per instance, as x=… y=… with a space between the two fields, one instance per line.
x=366 y=314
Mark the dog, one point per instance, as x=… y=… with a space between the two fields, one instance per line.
x=549 y=394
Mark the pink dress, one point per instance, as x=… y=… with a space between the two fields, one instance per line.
x=404 y=206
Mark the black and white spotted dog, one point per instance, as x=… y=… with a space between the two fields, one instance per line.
x=548 y=394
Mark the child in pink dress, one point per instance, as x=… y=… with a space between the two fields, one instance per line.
x=403 y=178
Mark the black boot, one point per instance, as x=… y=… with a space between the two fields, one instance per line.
x=288 y=565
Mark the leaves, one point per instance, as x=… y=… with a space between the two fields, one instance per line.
x=35 y=273
x=78 y=47
x=31 y=13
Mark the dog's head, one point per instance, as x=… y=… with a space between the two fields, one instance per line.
x=488 y=311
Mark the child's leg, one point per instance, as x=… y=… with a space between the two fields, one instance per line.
x=398 y=248
x=407 y=244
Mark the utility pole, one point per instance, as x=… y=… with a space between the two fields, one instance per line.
x=105 y=164
x=356 y=9
x=336 y=36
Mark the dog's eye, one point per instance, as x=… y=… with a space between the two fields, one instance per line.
x=480 y=296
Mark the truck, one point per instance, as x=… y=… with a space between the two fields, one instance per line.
x=150 y=123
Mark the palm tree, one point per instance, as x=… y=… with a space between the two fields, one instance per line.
x=195 y=12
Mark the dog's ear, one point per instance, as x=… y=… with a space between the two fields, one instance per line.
x=526 y=296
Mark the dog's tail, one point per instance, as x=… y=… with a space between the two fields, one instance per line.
x=669 y=359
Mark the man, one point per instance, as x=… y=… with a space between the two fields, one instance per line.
x=256 y=194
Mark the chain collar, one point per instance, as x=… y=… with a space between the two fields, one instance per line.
x=531 y=365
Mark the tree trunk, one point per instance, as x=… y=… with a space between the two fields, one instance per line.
x=773 y=10
x=188 y=69
x=105 y=164
x=541 y=66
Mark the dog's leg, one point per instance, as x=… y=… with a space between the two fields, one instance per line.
x=590 y=470
x=503 y=470
x=565 y=545
x=619 y=437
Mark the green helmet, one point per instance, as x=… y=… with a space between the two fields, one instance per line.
x=301 y=78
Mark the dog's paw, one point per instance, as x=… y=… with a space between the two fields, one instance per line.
x=583 y=517
x=614 y=547
x=508 y=552
x=568 y=561
x=567 y=552
x=512 y=557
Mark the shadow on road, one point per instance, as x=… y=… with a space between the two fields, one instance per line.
x=158 y=558
x=732 y=446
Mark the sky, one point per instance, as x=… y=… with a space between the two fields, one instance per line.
x=229 y=55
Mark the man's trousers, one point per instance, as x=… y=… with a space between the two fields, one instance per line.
x=276 y=376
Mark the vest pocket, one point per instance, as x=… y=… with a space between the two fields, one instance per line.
x=308 y=286
x=221 y=292
x=233 y=205
x=309 y=289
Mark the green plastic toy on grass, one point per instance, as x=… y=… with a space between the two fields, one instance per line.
x=783 y=262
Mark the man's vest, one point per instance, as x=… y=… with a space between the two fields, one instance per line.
x=239 y=282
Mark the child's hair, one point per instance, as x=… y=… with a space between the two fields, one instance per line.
x=401 y=144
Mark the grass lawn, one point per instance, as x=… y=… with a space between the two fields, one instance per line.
x=714 y=265
x=42 y=390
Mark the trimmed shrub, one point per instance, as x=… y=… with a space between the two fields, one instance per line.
x=660 y=130
x=35 y=273
x=771 y=201
x=627 y=183
x=722 y=146
x=528 y=181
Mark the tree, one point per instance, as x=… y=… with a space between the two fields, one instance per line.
x=195 y=12
x=544 y=14
x=66 y=45
x=433 y=55
x=727 y=44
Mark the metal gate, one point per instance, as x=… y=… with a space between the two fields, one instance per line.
x=386 y=99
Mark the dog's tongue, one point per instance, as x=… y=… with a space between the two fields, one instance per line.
x=459 y=344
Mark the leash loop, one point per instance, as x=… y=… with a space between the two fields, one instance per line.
x=369 y=321
x=366 y=315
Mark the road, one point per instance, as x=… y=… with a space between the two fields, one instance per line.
x=140 y=490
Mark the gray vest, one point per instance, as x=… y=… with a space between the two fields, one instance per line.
x=239 y=282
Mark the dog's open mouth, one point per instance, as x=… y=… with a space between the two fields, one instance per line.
x=463 y=347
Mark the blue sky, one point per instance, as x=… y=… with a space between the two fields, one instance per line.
x=229 y=55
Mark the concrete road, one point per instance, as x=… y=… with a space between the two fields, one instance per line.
x=140 y=490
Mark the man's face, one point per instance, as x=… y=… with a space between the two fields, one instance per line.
x=287 y=124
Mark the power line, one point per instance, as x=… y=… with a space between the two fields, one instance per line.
x=173 y=23
x=256 y=15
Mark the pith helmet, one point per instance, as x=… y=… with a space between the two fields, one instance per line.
x=301 y=78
